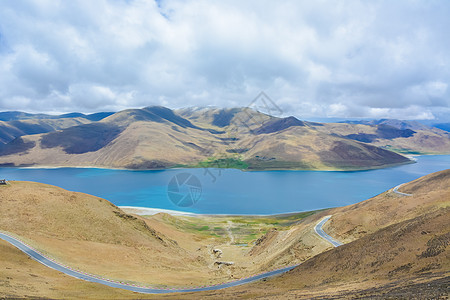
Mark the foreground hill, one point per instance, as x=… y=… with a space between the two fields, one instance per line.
x=157 y=137
x=429 y=194
x=92 y=235
x=396 y=247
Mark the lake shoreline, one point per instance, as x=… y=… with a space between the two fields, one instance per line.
x=412 y=160
x=229 y=191
x=148 y=211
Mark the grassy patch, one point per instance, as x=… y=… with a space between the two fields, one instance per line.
x=245 y=229
x=223 y=163
x=202 y=228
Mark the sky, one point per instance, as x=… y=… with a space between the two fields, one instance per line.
x=325 y=59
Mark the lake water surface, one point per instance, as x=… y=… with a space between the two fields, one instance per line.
x=233 y=191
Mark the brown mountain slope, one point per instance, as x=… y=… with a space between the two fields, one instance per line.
x=91 y=234
x=420 y=139
x=396 y=246
x=402 y=254
x=157 y=137
x=411 y=251
x=237 y=120
x=139 y=145
x=148 y=138
x=94 y=236
x=13 y=129
x=306 y=148
x=24 y=278
x=430 y=193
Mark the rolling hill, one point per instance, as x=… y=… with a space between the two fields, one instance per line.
x=93 y=235
x=14 y=124
x=395 y=247
x=407 y=137
x=10 y=130
x=19 y=115
x=157 y=137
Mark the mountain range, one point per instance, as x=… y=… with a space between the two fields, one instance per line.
x=157 y=137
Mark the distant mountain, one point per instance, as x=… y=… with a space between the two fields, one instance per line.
x=238 y=119
x=18 y=115
x=9 y=130
x=399 y=124
x=443 y=126
x=408 y=137
x=91 y=117
x=276 y=125
x=157 y=137
x=14 y=124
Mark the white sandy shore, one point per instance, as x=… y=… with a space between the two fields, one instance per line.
x=147 y=211
x=412 y=157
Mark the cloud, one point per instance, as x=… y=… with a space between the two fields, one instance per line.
x=313 y=58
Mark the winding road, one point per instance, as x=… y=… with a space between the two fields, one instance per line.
x=395 y=190
x=319 y=230
x=46 y=261
x=39 y=257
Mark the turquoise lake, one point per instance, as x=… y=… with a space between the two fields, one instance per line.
x=227 y=191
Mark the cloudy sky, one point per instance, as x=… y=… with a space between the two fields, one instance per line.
x=313 y=58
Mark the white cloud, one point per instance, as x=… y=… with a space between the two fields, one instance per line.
x=314 y=58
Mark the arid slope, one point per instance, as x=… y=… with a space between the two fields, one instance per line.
x=91 y=234
x=395 y=246
x=394 y=136
x=157 y=137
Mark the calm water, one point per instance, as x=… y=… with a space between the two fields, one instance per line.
x=234 y=191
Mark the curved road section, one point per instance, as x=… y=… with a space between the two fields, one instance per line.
x=319 y=230
x=395 y=190
x=39 y=257
x=46 y=261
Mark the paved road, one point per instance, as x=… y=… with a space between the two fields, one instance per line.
x=34 y=254
x=395 y=190
x=318 y=229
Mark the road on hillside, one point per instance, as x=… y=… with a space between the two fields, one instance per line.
x=39 y=257
x=395 y=190
x=319 y=230
x=122 y=285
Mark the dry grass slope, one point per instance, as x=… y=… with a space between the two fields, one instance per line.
x=157 y=137
x=93 y=235
x=396 y=246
